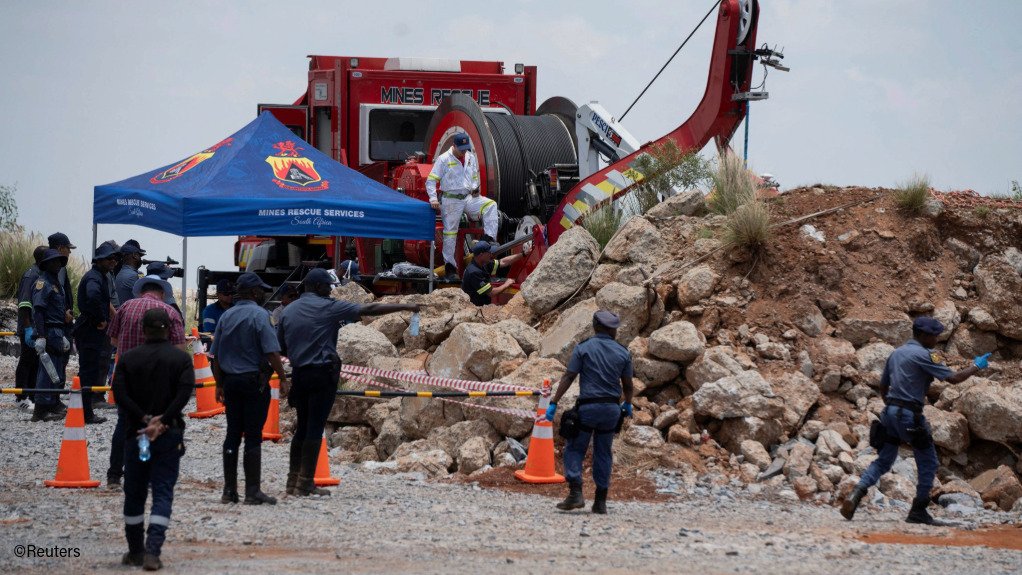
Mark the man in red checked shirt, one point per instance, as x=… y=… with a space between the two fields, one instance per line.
x=126 y=333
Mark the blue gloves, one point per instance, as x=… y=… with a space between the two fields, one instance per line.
x=29 y=331
x=981 y=361
x=626 y=408
x=550 y=411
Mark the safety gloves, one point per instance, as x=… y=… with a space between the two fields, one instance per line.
x=550 y=411
x=982 y=361
x=626 y=408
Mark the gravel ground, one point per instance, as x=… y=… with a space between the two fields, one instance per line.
x=400 y=523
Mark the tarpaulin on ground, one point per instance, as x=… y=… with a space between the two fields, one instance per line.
x=262 y=180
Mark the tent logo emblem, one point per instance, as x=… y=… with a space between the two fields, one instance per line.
x=294 y=172
x=179 y=169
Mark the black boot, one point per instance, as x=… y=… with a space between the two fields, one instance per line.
x=574 y=499
x=306 y=484
x=294 y=468
x=451 y=272
x=852 y=502
x=230 y=477
x=45 y=413
x=600 y=503
x=918 y=513
x=253 y=473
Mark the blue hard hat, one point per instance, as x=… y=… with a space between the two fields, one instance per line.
x=928 y=325
x=250 y=280
x=607 y=319
x=462 y=142
x=482 y=248
x=318 y=276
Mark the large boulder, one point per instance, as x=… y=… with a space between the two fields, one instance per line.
x=574 y=325
x=630 y=303
x=358 y=344
x=440 y=302
x=810 y=319
x=994 y=410
x=473 y=351
x=873 y=357
x=652 y=371
x=679 y=341
x=755 y=453
x=687 y=203
x=525 y=335
x=832 y=351
x=423 y=457
x=716 y=362
x=1000 y=486
x=531 y=375
x=799 y=394
x=562 y=271
x=893 y=330
x=946 y=313
x=352 y=437
x=999 y=286
x=638 y=446
x=695 y=285
x=743 y=395
x=637 y=241
x=969 y=343
x=450 y=439
x=392 y=326
x=419 y=416
x=353 y=293
x=474 y=454
x=950 y=429
x=736 y=431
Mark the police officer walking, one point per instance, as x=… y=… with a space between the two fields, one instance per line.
x=28 y=361
x=90 y=328
x=152 y=384
x=50 y=333
x=604 y=369
x=457 y=173
x=244 y=347
x=308 y=337
x=480 y=271
x=906 y=378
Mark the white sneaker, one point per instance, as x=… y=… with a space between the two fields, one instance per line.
x=26 y=404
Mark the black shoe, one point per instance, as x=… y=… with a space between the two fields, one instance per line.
x=151 y=563
x=102 y=404
x=113 y=483
x=230 y=477
x=292 y=483
x=229 y=496
x=132 y=559
x=600 y=503
x=307 y=486
x=95 y=419
x=852 y=502
x=258 y=498
x=43 y=413
x=574 y=499
x=918 y=513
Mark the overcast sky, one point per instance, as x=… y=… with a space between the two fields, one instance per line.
x=94 y=92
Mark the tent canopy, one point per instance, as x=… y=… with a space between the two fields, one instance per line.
x=262 y=180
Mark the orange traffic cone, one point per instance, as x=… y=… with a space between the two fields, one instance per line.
x=73 y=463
x=539 y=465
x=271 y=429
x=322 y=478
x=206 y=404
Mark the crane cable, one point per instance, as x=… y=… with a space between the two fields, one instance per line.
x=664 y=67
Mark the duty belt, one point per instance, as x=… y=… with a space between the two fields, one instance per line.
x=909 y=405
x=455 y=196
x=590 y=400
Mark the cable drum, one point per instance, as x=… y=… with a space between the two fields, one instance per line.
x=510 y=149
x=525 y=146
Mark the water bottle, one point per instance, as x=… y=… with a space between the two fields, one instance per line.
x=143 y=447
x=414 y=326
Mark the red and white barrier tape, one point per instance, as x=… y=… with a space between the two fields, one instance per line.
x=424 y=379
x=508 y=410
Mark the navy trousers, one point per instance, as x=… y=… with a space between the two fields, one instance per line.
x=160 y=474
x=603 y=418
x=897 y=421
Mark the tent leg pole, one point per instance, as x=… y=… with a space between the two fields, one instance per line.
x=184 y=281
x=432 y=264
x=337 y=252
x=95 y=236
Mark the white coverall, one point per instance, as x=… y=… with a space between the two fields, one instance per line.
x=459 y=181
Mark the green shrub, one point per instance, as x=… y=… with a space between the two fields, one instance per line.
x=733 y=184
x=912 y=196
x=16 y=249
x=666 y=168
x=603 y=223
x=704 y=234
x=981 y=211
x=748 y=226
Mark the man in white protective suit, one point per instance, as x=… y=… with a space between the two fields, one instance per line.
x=457 y=173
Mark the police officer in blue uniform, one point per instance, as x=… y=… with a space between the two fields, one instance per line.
x=90 y=327
x=51 y=333
x=131 y=261
x=28 y=362
x=308 y=337
x=906 y=378
x=604 y=369
x=244 y=348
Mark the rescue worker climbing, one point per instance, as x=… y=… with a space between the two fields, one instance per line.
x=457 y=173
x=906 y=378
